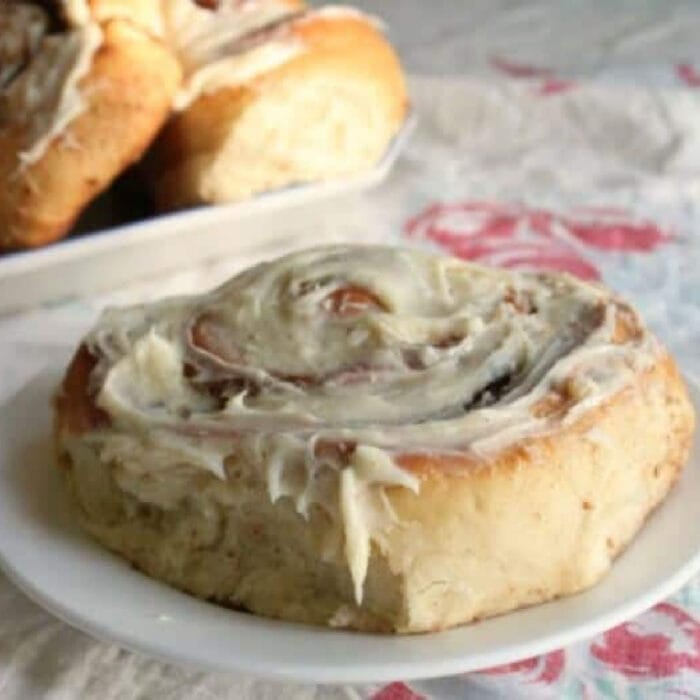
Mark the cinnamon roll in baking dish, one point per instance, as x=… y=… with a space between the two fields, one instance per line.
x=262 y=93
x=274 y=95
x=373 y=438
x=84 y=89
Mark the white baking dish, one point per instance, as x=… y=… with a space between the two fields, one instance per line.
x=117 y=253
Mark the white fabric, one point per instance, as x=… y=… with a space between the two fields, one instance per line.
x=628 y=134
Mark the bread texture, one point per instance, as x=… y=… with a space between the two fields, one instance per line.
x=330 y=111
x=125 y=96
x=524 y=493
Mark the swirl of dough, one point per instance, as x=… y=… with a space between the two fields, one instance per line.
x=378 y=346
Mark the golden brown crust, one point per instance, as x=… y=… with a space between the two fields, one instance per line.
x=459 y=464
x=128 y=90
x=545 y=517
x=340 y=51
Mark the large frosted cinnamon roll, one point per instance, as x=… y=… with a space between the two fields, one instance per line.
x=373 y=438
x=84 y=89
x=274 y=95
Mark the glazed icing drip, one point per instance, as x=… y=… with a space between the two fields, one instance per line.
x=328 y=364
x=363 y=505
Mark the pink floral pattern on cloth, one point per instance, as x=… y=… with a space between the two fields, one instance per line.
x=516 y=236
x=547 y=82
x=541 y=669
x=657 y=655
x=688 y=75
x=644 y=649
x=397 y=691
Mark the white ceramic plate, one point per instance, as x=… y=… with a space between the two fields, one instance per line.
x=116 y=249
x=47 y=556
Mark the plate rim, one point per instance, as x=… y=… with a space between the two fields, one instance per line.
x=331 y=672
x=341 y=676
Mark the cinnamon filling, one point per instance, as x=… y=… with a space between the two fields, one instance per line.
x=208 y=333
x=352 y=300
x=75 y=402
x=491 y=393
x=521 y=301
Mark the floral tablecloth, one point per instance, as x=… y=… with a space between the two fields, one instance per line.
x=528 y=159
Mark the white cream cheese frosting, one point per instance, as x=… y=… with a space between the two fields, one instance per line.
x=322 y=369
x=44 y=96
x=49 y=96
x=225 y=46
x=21 y=30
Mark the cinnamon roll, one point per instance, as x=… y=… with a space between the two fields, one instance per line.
x=262 y=93
x=85 y=85
x=274 y=95
x=373 y=438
